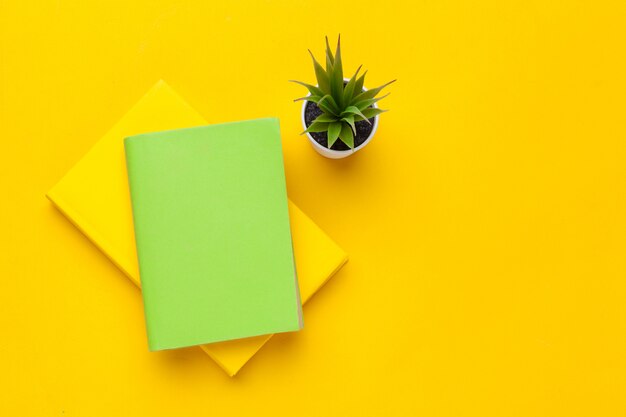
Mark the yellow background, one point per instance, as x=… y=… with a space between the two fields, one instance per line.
x=486 y=222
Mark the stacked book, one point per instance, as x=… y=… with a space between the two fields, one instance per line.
x=199 y=218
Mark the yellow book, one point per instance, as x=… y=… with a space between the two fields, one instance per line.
x=94 y=196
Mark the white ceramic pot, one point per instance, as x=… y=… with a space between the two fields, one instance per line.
x=330 y=153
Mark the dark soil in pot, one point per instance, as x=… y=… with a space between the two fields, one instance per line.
x=363 y=129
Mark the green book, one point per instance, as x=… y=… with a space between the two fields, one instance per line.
x=212 y=232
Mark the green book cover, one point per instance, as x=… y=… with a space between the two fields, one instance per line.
x=212 y=232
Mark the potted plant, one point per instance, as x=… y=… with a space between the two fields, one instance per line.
x=339 y=115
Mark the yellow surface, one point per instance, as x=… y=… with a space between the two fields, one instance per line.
x=486 y=222
x=94 y=195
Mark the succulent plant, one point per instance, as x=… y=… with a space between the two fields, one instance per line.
x=342 y=103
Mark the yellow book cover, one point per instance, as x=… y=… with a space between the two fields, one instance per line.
x=94 y=196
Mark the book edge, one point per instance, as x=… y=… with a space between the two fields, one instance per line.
x=89 y=232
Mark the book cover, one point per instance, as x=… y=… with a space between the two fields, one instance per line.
x=94 y=196
x=212 y=233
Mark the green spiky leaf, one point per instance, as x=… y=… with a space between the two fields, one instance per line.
x=358 y=87
x=326 y=118
x=333 y=132
x=328 y=105
x=336 y=76
x=316 y=127
x=350 y=120
x=329 y=57
x=348 y=90
x=315 y=91
x=370 y=93
x=352 y=110
x=346 y=135
x=322 y=77
x=363 y=104
x=372 y=112
x=314 y=99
